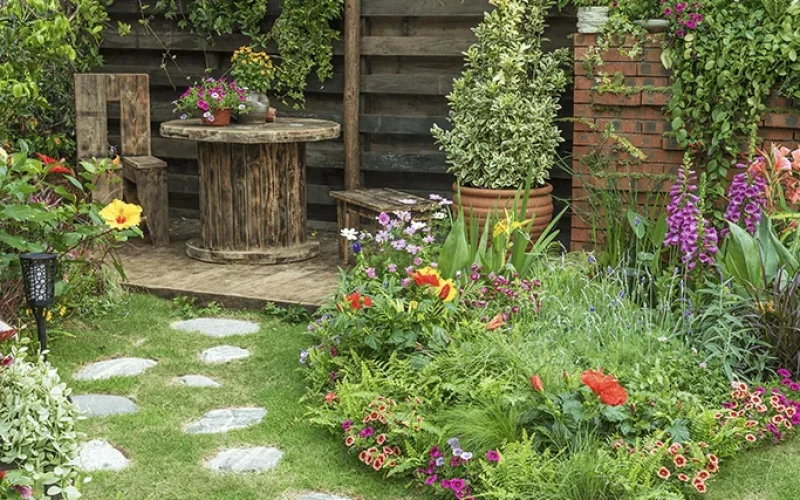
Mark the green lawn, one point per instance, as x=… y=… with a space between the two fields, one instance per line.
x=167 y=464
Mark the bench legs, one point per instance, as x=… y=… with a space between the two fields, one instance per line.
x=145 y=183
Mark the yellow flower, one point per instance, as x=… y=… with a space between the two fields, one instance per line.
x=413 y=305
x=49 y=316
x=509 y=225
x=121 y=215
x=116 y=160
x=446 y=290
x=62 y=311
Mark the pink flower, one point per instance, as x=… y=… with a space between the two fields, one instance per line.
x=202 y=105
x=24 y=491
x=492 y=456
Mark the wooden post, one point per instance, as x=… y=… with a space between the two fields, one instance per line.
x=352 y=82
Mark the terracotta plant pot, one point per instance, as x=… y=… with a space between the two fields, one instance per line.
x=222 y=118
x=479 y=203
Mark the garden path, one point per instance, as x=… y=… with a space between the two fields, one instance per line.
x=100 y=455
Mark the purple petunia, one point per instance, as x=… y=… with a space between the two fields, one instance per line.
x=383 y=219
x=492 y=456
x=347 y=424
x=366 y=432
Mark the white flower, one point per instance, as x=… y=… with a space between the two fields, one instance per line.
x=703 y=365
x=434 y=197
x=215 y=95
x=349 y=234
x=407 y=201
x=439 y=215
x=466 y=455
x=206 y=114
x=417 y=225
x=241 y=106
x=662 y=339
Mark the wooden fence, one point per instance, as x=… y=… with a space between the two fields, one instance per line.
x=410 y=52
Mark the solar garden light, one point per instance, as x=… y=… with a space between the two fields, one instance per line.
x=39 y=278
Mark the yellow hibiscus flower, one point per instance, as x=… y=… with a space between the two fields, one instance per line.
x=121 y=215
x=446 y=290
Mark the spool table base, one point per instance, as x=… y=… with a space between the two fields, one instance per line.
x=262 y=256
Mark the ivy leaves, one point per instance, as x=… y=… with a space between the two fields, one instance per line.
x=723 y=75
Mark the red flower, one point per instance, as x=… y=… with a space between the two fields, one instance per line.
x=350 y=441
x=330 y=397
x=426 y=279
x=683 y=477
x=358 y=301
x=679 y=461
x=605 y=386
x=2 y=475
x=663 y=473
x=700 y=486
x=381 y=439
x=536 y=383
x=47 y=160
x=60 y=169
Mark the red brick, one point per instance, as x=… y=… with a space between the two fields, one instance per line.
x=776 y=134
x=652 y=55
x=652 y=69
x=585 y=40
x=582 y=97
x=661 y=156
x=584 y=83
x=783 y=120
x=612 y=68
x=778 y=102
x=578 y=69
x=670 y=144
x=657 y=127
x=582 y=124
x=643 y=113
x=647 y=81
x=612 y=99
x=654 y=98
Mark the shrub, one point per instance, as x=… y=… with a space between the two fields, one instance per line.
x=45 y=206
x=504 y=104
x=37 y=424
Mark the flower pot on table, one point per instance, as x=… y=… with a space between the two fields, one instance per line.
x=222 y=118
x=260 y=109
x=480 y=202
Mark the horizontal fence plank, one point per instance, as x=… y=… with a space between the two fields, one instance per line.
x=418 y=46
x=424 y=8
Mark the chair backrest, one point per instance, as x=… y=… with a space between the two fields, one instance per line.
x=93 y=92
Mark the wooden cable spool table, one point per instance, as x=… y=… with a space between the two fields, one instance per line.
x=252 y=188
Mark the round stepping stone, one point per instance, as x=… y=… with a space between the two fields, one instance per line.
x=120 y=367
x=320 y=496
x=228 y=419
x=98 y=455
x=223 y=354
x=196 y=381
x=217 y=327
x=240 y=460
x=103 y=405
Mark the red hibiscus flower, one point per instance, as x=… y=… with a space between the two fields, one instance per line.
x=615 y=395
x=55 y=165
x=426 y=279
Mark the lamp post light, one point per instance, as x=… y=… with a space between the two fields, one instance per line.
x=39 y=278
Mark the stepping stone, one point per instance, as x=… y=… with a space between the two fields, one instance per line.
x=239 y=460
x=228 y=419
x=217 y=327
x=320 y=496
x=120 y=367
x=98 y=455
x=196 y=381
x=223 y=354
x=103 y=405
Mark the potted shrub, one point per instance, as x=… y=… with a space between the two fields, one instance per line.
x=255 y=73
x=215 y=99
x=503 y=109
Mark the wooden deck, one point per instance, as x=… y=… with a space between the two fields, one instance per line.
x=169 y=272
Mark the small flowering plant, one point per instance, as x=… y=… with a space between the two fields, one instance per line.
x=448 y=470
x=15 y=484
x=211 y=95
x=253 y=70
x=499 y=299
x=685 y=466
x=385 y=425
x=764 y=414
x=685 y=17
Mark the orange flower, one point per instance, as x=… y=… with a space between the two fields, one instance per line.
x=615 y=395
x=536 y=383
x=358 y=301
x=663 y=473
x=330 y=397
x=426 y=276
x=496 y=322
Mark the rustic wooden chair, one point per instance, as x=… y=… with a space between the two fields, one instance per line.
x=143 y=176
x=351 y=206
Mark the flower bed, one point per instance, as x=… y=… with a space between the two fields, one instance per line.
x=478 y=383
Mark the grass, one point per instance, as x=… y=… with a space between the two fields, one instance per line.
x=167 y=464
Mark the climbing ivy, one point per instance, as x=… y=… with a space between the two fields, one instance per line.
x=723 y=73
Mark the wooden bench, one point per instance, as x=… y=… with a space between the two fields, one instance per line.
x=143 y=177
x=352 y=206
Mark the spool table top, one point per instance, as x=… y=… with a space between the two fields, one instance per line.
x=283 y=130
